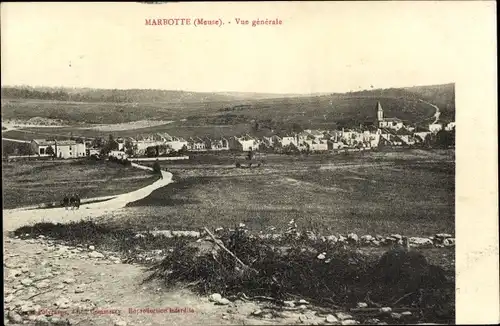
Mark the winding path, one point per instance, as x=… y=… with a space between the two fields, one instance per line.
x=15 y=218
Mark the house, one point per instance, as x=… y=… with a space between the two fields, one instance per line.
x=60 y=148
x=450 y=126
x=121 y=144
x=406 y=136
x=391 y=123
x=196 y=144
x=435 y=127
x=118 y=154
x=142 y=142
x=388 y=137
x=286 y=139
x=245 y=143
x=315 y=133
x=319 y=145
x=217 y=144
x=175 y=143
x=334 y=144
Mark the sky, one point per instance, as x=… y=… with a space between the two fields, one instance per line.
x=319 y=47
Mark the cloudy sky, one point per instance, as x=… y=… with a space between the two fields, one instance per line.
x=320 y=47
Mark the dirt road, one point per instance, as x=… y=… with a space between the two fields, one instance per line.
x=15 y=218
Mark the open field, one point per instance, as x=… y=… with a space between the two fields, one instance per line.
x=35 y=182
x=411 y=193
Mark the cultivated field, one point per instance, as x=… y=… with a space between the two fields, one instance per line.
x=411 y=193
x=28 y=183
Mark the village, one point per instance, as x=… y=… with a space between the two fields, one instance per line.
x=383 y=132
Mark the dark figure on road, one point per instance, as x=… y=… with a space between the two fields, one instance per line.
x=66 y=202
x=77 y=201
x=72 y=201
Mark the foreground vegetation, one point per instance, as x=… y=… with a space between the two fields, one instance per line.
x=40 y=182
x=422 y=282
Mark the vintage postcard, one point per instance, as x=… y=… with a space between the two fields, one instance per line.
x=277 y=163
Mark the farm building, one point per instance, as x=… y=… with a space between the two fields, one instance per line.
x=245 y=143
x=196 y=144
x=435 y=127
x=218 y=144
x=60 y=148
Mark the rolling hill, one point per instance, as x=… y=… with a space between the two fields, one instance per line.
x=230 y=108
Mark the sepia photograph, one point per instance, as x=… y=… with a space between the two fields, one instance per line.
x=244 y=163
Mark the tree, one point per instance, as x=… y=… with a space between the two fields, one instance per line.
x=50 y=151
x=156 y=167
x=112 y=143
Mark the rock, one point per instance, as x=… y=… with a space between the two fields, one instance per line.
x=321 y=256
x=376 y=243
x=367 y=238
x=26 y=282
x=303 y=319
x=25 y=270
x=331 y=319
x=362 y=305
x=406 y=313
x=449 y=242
x=302 y=301
x=385 y=310
x=349 y=322
x=42 y=285
x=443 y=235
x=396 y=236
x=9 y=298
x=342 y=238
x=257 y=312
x=215 y=297
x=62 y=303
x=42 y=320
x=420 y=242
x=343 y=316
x=332 y=239
x=15 y=272
x=372 y=321
x=120 y=323
x=91 y=248
x=29 y=308
x=353 y=237
x=14 y=317
x=223 y=302
x=289 y=304
x=69 y=280
x=79 y=290
x=96 y=254
x=396 y=315
x=59 y=287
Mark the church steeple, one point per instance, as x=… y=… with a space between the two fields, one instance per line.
x=380 y=112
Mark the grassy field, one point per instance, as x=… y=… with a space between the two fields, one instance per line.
x=411 y=193
x=35 y=182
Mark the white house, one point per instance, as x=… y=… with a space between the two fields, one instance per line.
x=118 y=154
x=450 y=126
x=435 y=127
x=218 y=144
x=60 y=148
x=245 y=143
x=196 y=144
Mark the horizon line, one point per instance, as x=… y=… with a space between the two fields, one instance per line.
x=222 y=91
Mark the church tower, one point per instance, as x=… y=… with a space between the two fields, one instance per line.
x=380 y=112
